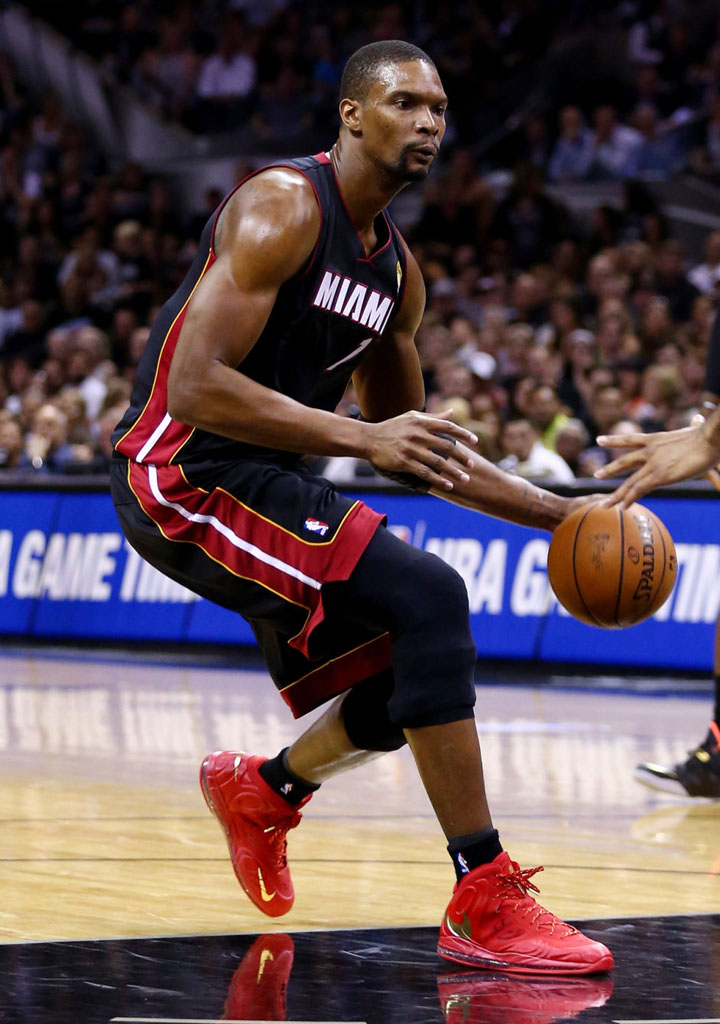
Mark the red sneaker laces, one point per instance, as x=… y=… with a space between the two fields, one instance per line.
x=276 y=836
x=518 y=881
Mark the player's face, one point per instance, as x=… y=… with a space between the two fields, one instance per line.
x=403 y=119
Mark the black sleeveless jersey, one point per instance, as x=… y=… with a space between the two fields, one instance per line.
x=323 y=321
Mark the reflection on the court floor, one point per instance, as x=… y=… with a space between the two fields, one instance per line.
x=114 y=713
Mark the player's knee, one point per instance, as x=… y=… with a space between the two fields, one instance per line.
x=366 y=718
x=435 y=660
x=438 y=592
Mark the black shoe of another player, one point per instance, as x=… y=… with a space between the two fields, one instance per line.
x=698 y=776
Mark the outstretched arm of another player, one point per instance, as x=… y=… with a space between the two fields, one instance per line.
x=674 y=455
x=659 y=459
x=265 y=235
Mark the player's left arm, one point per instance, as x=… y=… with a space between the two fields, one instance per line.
x=389 y=381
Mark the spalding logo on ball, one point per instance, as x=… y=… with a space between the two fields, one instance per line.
x=612 y=567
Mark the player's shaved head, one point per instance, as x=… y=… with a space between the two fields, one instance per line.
x=366 y=65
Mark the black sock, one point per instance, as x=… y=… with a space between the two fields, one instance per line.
x=716 y=712
x=470 y=851
x=279 y=776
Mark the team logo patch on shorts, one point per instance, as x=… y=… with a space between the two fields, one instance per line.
x=316 y=526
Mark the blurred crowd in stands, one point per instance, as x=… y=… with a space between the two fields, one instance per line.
x=541 y=332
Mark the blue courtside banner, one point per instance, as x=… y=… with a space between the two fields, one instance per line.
x=66 y=571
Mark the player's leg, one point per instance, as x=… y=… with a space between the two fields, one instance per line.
x=353 y=730
x=258 y=800
x=699 y=774
x=492 y=920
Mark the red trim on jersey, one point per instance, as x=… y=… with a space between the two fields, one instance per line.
x=322 y=158
x=375 y=252
x=320 y=562
x=337 y=675
x=149 y=420
x=373 y=255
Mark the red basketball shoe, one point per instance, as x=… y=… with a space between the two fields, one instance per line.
x=493 y=922
x=255 y=820
x=259 y=985
x=473 y=998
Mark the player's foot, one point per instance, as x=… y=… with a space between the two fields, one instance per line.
x=698 y=776
x=474 y=998
x=259 y=985
x=493 y=922
x=255 y=820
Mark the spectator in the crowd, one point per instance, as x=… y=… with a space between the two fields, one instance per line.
x=12 y=446
x=629 y=372
x=605 y=408
x=227 y=78
x=93 y=457
x=574 y=386
x=525 y=455
x=705 y=276
x=673 y=284
x=28 y=341
x=47 y=447
x=528 y=220
x=72 y=404
x=615 y=146
x=572 y=156
x=571 y=441
x=661 y=152
x=661 y=393
x=11 y=314
x=88 y=367
x=547 y=414
x=284 y=109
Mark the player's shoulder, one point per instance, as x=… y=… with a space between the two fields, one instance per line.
x=276 y=207
x=285 y=189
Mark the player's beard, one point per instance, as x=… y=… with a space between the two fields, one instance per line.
x=408 y=174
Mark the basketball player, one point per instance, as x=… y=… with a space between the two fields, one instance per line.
x=301 y=282
x=674 y=456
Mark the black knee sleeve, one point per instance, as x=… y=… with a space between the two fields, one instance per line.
x=365 y=715
x=423 y=604
x=434 y=653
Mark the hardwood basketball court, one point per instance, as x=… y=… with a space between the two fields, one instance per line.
x=119 y=901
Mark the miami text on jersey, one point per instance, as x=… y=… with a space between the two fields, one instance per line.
x=356 y=301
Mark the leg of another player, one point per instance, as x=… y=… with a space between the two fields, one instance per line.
x=716 y=674
x=699 y=775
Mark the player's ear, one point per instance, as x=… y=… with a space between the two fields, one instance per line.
x=350 y=114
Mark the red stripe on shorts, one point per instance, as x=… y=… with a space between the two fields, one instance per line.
x=292 y=568
x=337 y=675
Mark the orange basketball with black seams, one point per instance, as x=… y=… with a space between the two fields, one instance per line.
x=612 y=567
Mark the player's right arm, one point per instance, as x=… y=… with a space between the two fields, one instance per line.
x=266 y=234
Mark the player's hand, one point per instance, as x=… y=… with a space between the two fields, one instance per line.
x=584 y=501
x=657 y=459
x=413 y=443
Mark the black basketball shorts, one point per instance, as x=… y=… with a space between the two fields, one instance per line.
x=260 y=539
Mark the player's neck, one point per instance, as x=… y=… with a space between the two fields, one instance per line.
x=364 y=190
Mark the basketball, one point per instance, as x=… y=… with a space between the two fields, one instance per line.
x=612 y=567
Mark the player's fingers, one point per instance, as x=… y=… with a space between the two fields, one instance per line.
x=620 y=465
x=632 y=489
x=635 y=488
x=622 y=440
x=466 y=455
x=429 y=475
x=435 y=426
